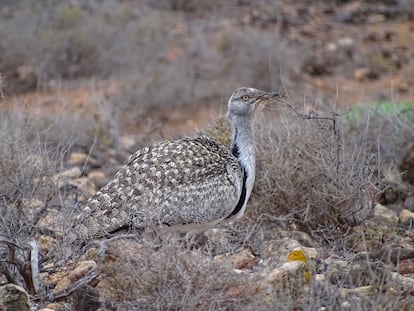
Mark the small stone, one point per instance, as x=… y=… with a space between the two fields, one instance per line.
x=394 y=253
x=385 y=214
x=81 y=269
x=86 y=298
x=409 y=203
x=376 y=18
x=320 y=278
x=242 y=260
x=77 y=158
x=53 y=306
x=73 y=172
x=98 y=177
x=331 y=47
x=13 y=297
x=405 y=281
x=406 y=266
x=86 y=185
x=362 y=290
x=363 y=73
x=286 y=271
x=128 y=142
x=406 y=217
x=311 y=252
x=346 y=42
x=46 y=243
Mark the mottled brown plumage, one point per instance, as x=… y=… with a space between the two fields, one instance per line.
x=188 y=181
x=180 y=180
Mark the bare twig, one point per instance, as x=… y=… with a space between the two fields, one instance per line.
x=74 y=286
x=12 y=242
x=34 y=264
x=314 y=115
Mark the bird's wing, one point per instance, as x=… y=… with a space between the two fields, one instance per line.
x=192 y=180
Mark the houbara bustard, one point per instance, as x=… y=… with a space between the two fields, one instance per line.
x=187 y=181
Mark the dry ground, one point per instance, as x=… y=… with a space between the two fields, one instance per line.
x=330 y=222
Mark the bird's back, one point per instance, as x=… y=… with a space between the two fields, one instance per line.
x=192 y=180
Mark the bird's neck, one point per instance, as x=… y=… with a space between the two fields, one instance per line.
x=243 y=147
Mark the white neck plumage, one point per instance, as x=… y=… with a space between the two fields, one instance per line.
x=243 y=148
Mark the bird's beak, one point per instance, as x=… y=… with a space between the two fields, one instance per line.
x=270 y=95
x=266 y=97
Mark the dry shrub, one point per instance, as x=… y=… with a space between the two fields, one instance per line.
x=27 y=164
x=312 y=175
x=168 y=276
x=34 y=149
x=321 y=174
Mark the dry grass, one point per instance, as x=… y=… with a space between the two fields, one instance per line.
x=312 y=176
x=160 y=59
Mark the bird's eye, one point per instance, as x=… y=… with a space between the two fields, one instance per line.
x=245 y=97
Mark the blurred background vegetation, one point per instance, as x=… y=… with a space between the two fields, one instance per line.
x=161 y=55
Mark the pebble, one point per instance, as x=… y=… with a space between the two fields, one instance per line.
x=406 y=266
x=409 y=203
x=363 y=73
x=406 y=217
x=385 y=214
x=77 y=158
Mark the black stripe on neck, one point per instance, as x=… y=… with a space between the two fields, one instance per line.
x=242 y=195
x=235 y=148
x=235 y=151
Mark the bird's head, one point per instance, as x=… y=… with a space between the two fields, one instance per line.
x=245 y=100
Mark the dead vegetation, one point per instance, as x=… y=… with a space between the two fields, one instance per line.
x=318 y=178
x=321 y=170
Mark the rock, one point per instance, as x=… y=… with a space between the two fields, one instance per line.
x=320 y=278
x=274 y=252
x=287 y=279
x=287 y=272
x=73 y=172
x=397 y=208
x=46 y=243
x=394 y=192
x=409 y=203
x=77 y=158
x=81 y=269
x=363 y=74
x=128 y=142
x=299 y=255
x=406 y=217
x=242 y=260
x=13 y=297
x=99 y=178
x=405 y=281
x=394 y=254
x=407 y=165
x=362 y=290
x=53 y=307
x=346 y=43
x=315 y=67
x=86 y=185
x=362 y=270
x=86 y=298
x=406 y=266
x=372 y=234
x=385 y=215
